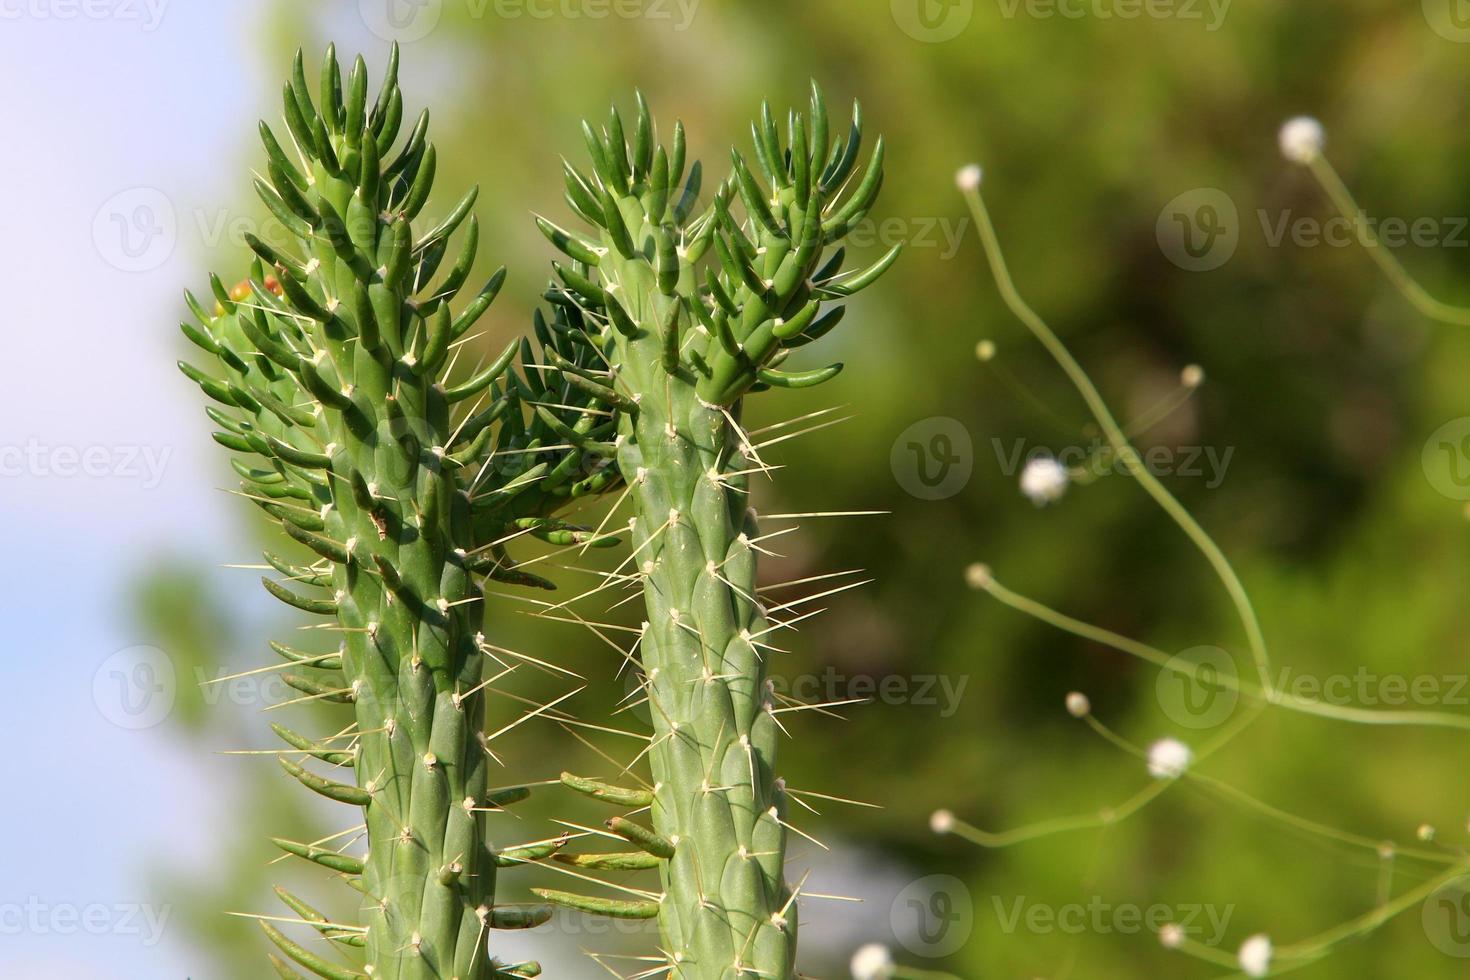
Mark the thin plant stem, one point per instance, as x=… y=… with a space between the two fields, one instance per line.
x=1250 y=802
x=1160 y=659
x=1119 y=441
x=1410 y=289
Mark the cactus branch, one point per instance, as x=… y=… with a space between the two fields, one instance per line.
x=695 y=312
x=334 y=374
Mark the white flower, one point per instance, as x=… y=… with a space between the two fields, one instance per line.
x=968 y=177
x=941 y=821
x=1078 y=705
x=1172 y=936
x=1255 y=955
x=1044 y=480
x=1301 y=139
x=872 y=962
x=1168 y=758
x=977 y=576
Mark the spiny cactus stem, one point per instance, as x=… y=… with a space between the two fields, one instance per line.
x=334 y=374
x=685 y=343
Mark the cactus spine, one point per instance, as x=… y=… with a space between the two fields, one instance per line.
x=334 y=367
x=685 y=340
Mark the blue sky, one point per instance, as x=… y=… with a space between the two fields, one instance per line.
x=100 y=458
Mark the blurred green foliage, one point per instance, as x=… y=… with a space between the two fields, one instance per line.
x=1321 y=382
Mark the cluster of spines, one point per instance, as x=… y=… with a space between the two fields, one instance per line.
x=764 y=295
x=334 y=367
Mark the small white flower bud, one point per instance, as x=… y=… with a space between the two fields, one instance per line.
x=1078 y=705
x=967 y=178
x=1168 y=758
x=872 y=962
x=1171 y=936
x=941 y=821
x=1255 y=955
x=977 y=576
x=1044 y=480
x=1301 y=139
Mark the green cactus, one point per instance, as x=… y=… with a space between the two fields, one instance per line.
x=333 y=377
x=685 y=340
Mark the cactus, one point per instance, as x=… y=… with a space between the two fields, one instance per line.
x=685 y=340
x=334 y=364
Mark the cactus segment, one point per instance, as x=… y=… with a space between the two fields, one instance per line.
x=692 y=312
x=610 y=907
x=399 y=475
